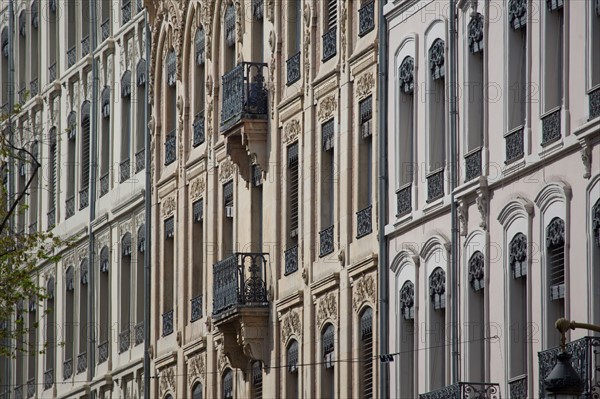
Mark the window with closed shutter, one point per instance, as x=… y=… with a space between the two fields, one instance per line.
x=366 y=342
x=366 y=116
x=331 y=13
x=257 y=380
x=170 y=228
x=555 y=249
x=85 y=144
x=293 y=189
x=53 y=170
x=197 y=208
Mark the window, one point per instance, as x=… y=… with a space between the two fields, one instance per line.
x=105 y=22
x=228 y=384
x=34 y=48
x=85 y=155
x=125 y=297
x=327 y=174
x=141 y=126
x=518 y=305
x=292 y=387
x=168 y=264
x=199 y=90
x=69 y=339
x=555 y=270
x=228 y=242
x=4 y=69
x=23 y=49
x=34 y=191
x=476 y=317
x=292 y=187
x=594 y=46
x=71 y=33
x=474 y=128
x=105 y=142
x=140 y=276
x=197 y=276
x=125 y=167
x=71 y=164
x=365 y=168
x=437 y=114
x=407 y=331
x=328 y=351
x=405 y=119
x=170 y=115
x=436 y=329
x=229 y=30
x=49 y=330
x=257 y=380
x=329 y=30
x=294 y=27
x=83 y=316
x=104 y=303
x=32 y=339
x=197 y=391
x=257 y=31
x=366 y=353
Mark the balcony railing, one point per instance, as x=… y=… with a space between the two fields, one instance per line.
x=366 y=18
x=435 y=185
x=70 y=207
x=585 y=359
x=52 y=72
x=4 y=109
x=326 y=241
x=33 y=227
x=85 y=46
x=140 y=5
x=104 y=184
x=167 y=323
x=102 y=352
x=22 y=95
x=126 y=13
x=48 y=379
x=31 y=388
x=71 y=56
x=551 y=127
x=140 y=160
x=67 y=369
x=239 y=280
x=34 y=87
x=364 y=222
x=198 y=126
x=81 y=362
x=404 y=200
x=465 y=390
x=19 y=392
x=196 y=311
x=330 y=44
x=517 y=387
x=124 y=340
x=84 y=199
x=291 y=260
x=514 y=145
x=245 y=94
x=139 y=333
x=293 y=68
x=473 y=165
x=170 y=149
x=105 y=28
x=594 y=100
x=124 y=170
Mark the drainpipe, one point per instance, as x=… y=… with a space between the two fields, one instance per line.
x=148 y=217
x=382 y=210
x=454 y=369
x=91 y=350
x=11 y=168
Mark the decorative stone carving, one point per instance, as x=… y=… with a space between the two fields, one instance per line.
x=326 y=308
x=482 y=208
x=518 y=255
x=307 y=18
x=272 y=65
x=197 y=188
x=168 y=206
x=407 y=75
x=68 y=260
x=226 y=170
x=196 y=368
x=407 y=300
x=463 y=216
x=555 y=232
x=476 y=270
x=271 y=10
x=364 y=291
x=291 y=131
x=222 y=360
x=596 y=221
x=437 y=59
x=290 y=324
x=437 y=288
x=365 y=84
x=476 y=33
x=327 y=107
x=82 y=253
x=167 y=381
x=343 y=32
x=586 y=158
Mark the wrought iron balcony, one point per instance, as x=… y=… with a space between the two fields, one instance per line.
x=245 y=94
x=585 y=359
x=517 y=387
x=33 y=227
x=364 y=222
x=105 y=28
x=404 y=200
x=167 y=323
x=594 y=99
x=140 y=160
x=140 y=5
x=198 y=126
x=102 y=352
x=473 y=165
x=22 y=95
x=34 y=87
x=67 y=369
x=31 y=388
x=551 y=127
x=70 y=207
x=81 y=362
x=71 y=56
x=465 y=390
x=124 y=170
x=52 y=72
x=196 y=312
x=4 y=109
x=48 y=379
x=435 y=185
x=104 y=184
x=124 y=340
x=19 y=392
x=366 y=18
x=291 y=260
x=126 y=13
x=170 y=148
x=85 y=46
x=326 y=241
x=239 y=281
x=515 y=147
x=293 y=69
x=139 y=333
x=330 y=44
x=84 y=199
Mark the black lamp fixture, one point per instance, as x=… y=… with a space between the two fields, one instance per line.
x=563 y=382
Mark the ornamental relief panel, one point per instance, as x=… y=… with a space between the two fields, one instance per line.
x=327 y=308
x=196 y=368
x=291 y=131
x=327 y=108
x=167 y=381
x=307 y=23
x=291 y=324
x=168 y=206
x=365 y=85
x=226 y=170
x=364 y=291
x=197 y=188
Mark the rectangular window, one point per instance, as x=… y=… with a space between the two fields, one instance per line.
x=227 y=238
x=292 y=188
x=327 y=174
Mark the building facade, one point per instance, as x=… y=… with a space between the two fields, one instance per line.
x=264 y=127
x=92 y=154
x=528 y=194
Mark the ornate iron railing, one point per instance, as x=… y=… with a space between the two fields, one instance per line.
x=126 y=13
x=71 y=56
x=34 y=87
x=70 y=207
x=551 y=127
x=198 y=126
x=245 y=94
x=85 y=46
x=67 y=369
x=435 y=185
x=585 y=359
x=140 y=160
x=81 y=362
x=51 y=218
x=196 y=311
x=239 y=280
x=22 y=95
x=103 y=352
x=364 y=222
x=31 y=388
x=105 y=28
x=32 y=227
x=293 y=68
x=329 y=44
x=366 y=18
x=52 y=72
x=515 y=146
x=124 y=340
x=517 y=387
x=139 y=333
x=473 y=165
x=465 y=390
x=104 y=184
x=48 y=379
x=594 y=103
x=167 y=323
x=19 y=392
x=124 y=170
x=291 y=260
x=84 y=199
x=4 y=109
x=170 y=149
x=140 y=5
x=404 y=200
x=326 y=241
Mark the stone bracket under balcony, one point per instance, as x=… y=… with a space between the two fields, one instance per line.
x=247 y=145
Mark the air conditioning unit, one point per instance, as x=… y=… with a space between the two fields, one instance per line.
x=229 y=211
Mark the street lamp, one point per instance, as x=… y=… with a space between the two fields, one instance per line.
x=563 y=382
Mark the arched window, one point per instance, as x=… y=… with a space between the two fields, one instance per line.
x=292 y=387
x=436 y=101
x=476 y=317
x=33 y=49
x=228 y=384
x=555 y=246
x=596 y=221
x=140 y=132
x=475 y=101
x=197 y=391
x=53 y=163
x=105 y=141
x=71 y=163
x=170 y=115
x=50 y=332
x=197 y=259
x=437 y=328
x=69 y=323
x=125 y=166
x=517 y=287
x=199 y=96
x=85 y=155
x=407 y=331
x=328 y=371
x=125 y=297
x=4 y=69
x=405 y=146
x=103 y=305
x=168 y=275
x=140 y=286
x=83 y=316
x=366 y=353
